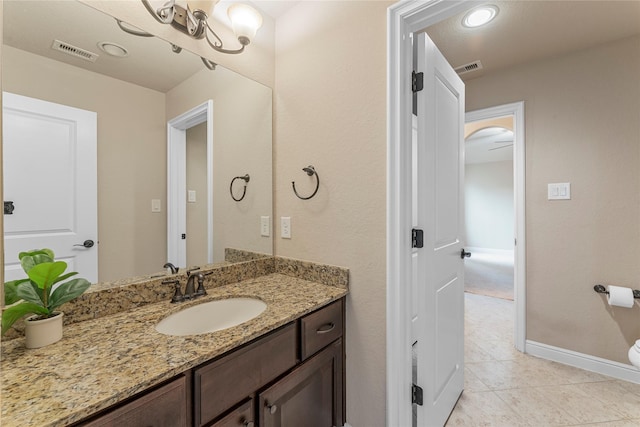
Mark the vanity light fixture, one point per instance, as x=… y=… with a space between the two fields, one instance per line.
x=191 y=17
x=480 y=16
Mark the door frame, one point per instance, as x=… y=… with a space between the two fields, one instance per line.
x=403 y=19
x=177 y=181
x=516 y=110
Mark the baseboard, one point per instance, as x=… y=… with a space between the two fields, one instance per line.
x=584 y=361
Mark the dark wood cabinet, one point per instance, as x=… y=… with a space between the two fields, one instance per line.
x=165 y=406
x=310 y=396
x=241 y=416
x=223 y=383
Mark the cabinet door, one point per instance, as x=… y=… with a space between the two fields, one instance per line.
x=242 y=416
x=223 y=383
x=165 y=406
x=311 y=395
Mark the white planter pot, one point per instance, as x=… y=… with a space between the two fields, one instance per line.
x=39 y=333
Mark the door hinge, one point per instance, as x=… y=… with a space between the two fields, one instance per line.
x=183 y=236
x=416 y=395
x=417 y=238
x=417 y=81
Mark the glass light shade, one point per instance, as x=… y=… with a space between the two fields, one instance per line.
x=245 y=22
x=204 y=5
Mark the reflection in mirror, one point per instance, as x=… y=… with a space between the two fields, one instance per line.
x=133 y=98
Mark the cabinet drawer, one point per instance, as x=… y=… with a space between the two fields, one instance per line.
x=242 y=416
x=165 y=406
x=321 y=328
x=223 y=383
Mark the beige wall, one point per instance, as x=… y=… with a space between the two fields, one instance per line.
x=582 y=113
x=488 y=205
x=242 y=143
x=131 y=155
x=330 y=99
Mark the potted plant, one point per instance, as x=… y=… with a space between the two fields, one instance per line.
x=40 y=294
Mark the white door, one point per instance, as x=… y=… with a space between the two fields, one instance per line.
x=50 y=175
x=438 y=210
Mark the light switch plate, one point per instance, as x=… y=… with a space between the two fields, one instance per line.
x=155 y=205
x=191 y=196
x=285 y=227
x=264 y=226
x=559 y=191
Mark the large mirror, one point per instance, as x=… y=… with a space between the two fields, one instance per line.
x=133 y=98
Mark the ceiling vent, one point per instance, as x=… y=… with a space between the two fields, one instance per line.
x=467 y=68
x=74 y=51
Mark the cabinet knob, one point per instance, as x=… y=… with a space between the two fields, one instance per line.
x=247 y=423
x=272 y=409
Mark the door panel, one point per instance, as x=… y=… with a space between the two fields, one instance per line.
x=49 y=165
x=438 y=203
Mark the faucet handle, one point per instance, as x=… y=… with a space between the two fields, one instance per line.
x=177 y=296
x=201 y=290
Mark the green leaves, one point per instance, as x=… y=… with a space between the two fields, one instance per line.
x=45 y=274
x=11 y=292
x=67 y=291
x=29 y=259
x=36 y=292
x=15 y=312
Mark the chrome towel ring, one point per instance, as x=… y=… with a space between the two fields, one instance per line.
x=244 y=191
x=311 y=171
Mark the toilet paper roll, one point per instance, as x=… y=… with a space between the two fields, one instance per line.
x=620 y=297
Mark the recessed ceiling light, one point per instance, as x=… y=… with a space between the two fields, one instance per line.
x=113 y=49
x=480 y=16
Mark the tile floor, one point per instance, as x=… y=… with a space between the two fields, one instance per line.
x=505 y=388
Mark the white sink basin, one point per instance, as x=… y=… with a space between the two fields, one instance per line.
x=211 y=316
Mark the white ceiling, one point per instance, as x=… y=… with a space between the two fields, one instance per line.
x=523 y=31
x=33 y=25
x=526 y=31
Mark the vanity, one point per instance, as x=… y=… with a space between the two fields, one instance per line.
x=283 y=366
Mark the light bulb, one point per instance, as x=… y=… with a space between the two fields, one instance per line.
x=480 y=16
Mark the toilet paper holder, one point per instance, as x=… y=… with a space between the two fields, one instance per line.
x=602 y=290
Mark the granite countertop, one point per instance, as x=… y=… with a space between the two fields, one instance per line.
x=103 y=361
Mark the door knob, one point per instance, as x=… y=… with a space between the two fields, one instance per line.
x=464 y=254
x=87 y=244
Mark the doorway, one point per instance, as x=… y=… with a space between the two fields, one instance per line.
x=514 y=111
x=489 y=212
x=405 y=19
x=179 y=131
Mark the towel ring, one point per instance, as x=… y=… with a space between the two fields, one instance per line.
x=244 y=191
x=310 y=170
